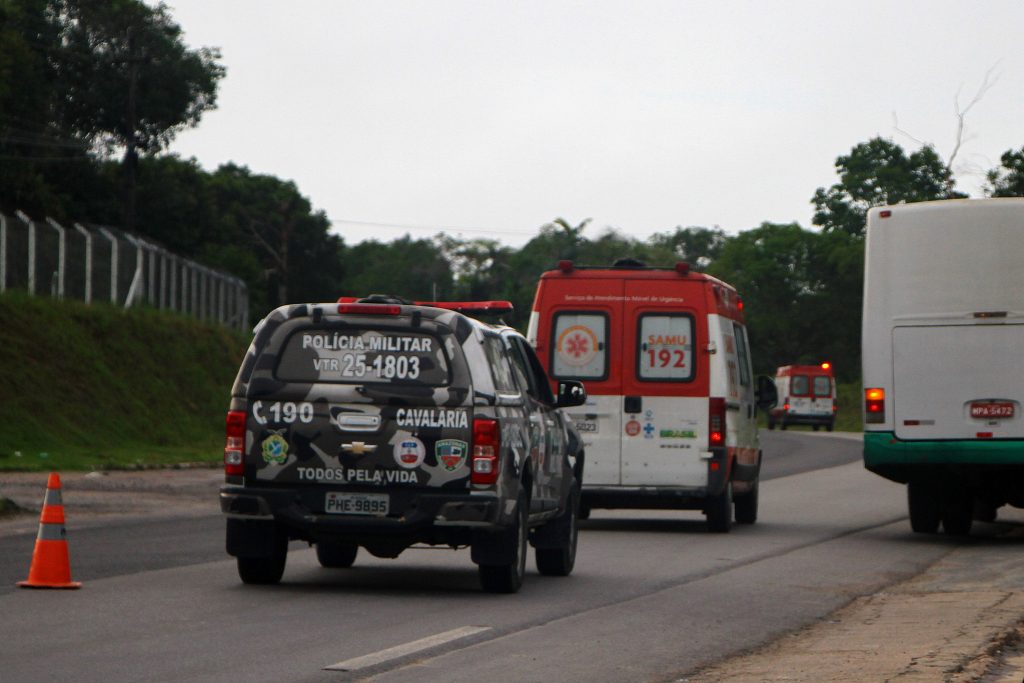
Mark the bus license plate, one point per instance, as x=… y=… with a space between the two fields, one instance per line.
x=356 y=503
x=992 y=409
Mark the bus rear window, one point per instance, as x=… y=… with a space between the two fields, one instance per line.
x=361 y=357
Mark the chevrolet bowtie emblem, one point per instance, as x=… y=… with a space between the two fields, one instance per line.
x=358 y=447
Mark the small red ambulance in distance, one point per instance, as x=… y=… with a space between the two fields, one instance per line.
x=808 y=395
x=670 y=418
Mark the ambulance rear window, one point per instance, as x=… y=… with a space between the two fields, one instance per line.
x=363 y=356
x=800 y=385
x=665 y=348
x=580 y=346
x=822 y=386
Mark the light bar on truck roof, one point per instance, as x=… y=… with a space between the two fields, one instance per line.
x=477 y=307
x=472 y=307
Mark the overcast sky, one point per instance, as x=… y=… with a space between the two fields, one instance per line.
x=490 y=119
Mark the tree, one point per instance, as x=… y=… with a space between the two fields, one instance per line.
x=1008 y=179
x=879 y=172
x=126 y=80
x=697 y=246
x=414 y=269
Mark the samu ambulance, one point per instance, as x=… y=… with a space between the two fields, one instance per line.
x=807 y=395
x=943 y=341
x=670 y=419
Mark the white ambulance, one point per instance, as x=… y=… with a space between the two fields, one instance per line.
x=670 y=419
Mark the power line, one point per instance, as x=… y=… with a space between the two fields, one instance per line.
x=431 y=228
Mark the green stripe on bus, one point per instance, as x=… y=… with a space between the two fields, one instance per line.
x=883 y=448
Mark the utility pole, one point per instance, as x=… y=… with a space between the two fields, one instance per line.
x=130 y=155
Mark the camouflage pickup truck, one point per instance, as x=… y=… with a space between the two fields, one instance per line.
x=381 y=424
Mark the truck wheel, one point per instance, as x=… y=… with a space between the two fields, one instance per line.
x=265 y=570
x=559 y=559
x=924 y=499
x=508 y=578
x=719 y=511
x=746 y=506
x=959 y=514
x=336 y=554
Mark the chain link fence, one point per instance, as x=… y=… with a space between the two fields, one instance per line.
x=96 y=263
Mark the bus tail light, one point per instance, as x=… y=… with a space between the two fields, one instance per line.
x=874 y=405
x=486 y=449
x=716 y=422
x=234 y=443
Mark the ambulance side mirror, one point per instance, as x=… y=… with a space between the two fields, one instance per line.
x=571 y=393
x=767 y=394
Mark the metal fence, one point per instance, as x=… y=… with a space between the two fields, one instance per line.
x=96 y=263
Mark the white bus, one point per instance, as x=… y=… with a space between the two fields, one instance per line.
x=943 y=357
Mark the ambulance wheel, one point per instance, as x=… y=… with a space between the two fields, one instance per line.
x=782 y=426
x=771 y=423
x=924 y=500
x=829 y=426
x=508 y=576
x=337 y=554
x=265 y=570
x=719 y=511
x=556 y=540
x=746 y=506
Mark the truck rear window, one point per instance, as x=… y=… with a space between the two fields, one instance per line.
x=363 y=356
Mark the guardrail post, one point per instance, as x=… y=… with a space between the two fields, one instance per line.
x=61 y=255
x=137 y=284
x=88 y=261
x=31 y=250
x=113 y=263
x=3 y=253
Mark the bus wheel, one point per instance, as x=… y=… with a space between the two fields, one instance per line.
x=959 y=513
x=924 y=501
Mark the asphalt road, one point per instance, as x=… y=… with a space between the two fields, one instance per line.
x=653 y=596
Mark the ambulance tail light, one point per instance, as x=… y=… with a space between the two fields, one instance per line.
x=716 y=422
x=234 y=443
x=874 y=405
x=486 y=449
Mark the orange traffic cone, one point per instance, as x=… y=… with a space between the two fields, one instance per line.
x=50 y=567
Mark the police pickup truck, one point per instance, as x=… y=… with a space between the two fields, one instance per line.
x=381 y=424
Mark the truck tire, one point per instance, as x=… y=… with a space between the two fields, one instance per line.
x=336 y=554
x=719 y=511
x=924 y=501
x=508 y=577
x=746 y=506
x=267 y=569
x=559 y=558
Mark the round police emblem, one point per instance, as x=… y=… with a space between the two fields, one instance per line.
x=410 y=452
x=275 y=449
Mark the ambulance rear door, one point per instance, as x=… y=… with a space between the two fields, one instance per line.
x=665 y=386
x=585 y=344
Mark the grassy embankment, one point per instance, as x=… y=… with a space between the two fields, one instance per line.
x=97 y=387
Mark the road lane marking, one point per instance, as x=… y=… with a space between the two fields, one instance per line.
x=406 y=649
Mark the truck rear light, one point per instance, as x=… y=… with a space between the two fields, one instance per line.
x=486 y=451
x=716 y=422
x=874 y=405
x=234 y=443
